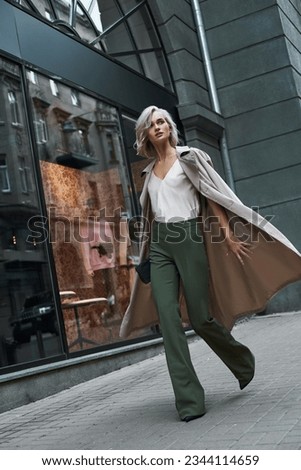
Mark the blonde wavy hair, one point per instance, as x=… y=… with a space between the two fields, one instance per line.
x=143 y=146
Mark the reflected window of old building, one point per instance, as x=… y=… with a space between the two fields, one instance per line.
x=43 y=7
x=54 y=88
x=75 y=98
x=32 y=76
x=4 y=176
x=48 y=15
x=24 y=172
x=29 y=330
x=40 y=126
x=39 y=120
x=41 y=130
x=14 y=107
x=84 y=147
x=123 y=29
x=23 y=3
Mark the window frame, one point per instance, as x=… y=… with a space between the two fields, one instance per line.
x=4 y=171
x=98 y=42
x=14 y=108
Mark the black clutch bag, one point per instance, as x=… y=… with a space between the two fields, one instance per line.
x=143 y=270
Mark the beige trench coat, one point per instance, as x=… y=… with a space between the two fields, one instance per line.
x=235 y=290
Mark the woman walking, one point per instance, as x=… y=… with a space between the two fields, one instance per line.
x=212 y=259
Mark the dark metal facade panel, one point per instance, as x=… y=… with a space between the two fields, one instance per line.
x=8 y=33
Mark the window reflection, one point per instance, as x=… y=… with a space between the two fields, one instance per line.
x=137 y=37
x=142 y=30
x=131 y=61
x=43 y=7
x=4 y=175
x=32 y=76
x=75 y=98
x=62 y=8
x=89 y=202
x=25 y=174
x=14 y=108
x=54 y=88
x=40 y=125
x=153 y=64
x=28 y=318
x=110 y=13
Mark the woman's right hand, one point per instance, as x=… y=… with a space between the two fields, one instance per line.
x=238 y=248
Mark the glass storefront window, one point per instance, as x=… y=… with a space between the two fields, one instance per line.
x=123 y=29
x=44 y=8
x=93 y=10
x=131 y=61
x=143 y=32
x=62 y=8
x=119 y=40
x=110 y=13
x=127 y=5
x=153 y=64
x=84 y=26
x=29 y=327
x=23 y=3
x=89 y=202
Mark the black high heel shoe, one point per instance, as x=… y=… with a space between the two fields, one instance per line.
x=244 y=382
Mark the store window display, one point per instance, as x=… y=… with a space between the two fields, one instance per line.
x=86 y=186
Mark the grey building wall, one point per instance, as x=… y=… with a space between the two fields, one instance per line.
x=255 y=47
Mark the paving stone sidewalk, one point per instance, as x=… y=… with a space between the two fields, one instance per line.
x=133 y=408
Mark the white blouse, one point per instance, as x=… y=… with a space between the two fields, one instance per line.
x=173 y=198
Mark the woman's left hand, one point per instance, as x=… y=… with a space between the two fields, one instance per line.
x=238 y=248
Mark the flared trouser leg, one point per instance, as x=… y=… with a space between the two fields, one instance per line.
x=192 y=265
x=185 y=257
x=189 y=393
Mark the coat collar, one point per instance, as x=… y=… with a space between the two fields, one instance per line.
x=148 y=168
x=185 y=155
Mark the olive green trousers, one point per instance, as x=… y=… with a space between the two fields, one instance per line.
x=177 y=252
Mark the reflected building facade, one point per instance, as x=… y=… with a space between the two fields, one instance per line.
x=28 y=309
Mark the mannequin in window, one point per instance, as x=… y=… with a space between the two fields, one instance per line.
x=98 y=253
